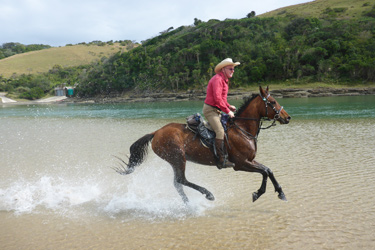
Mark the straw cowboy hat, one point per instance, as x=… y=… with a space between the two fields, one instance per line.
x=224 y=63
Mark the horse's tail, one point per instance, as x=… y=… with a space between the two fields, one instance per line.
x=138 y=152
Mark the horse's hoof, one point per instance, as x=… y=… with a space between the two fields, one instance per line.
x=282 y=197
x=210 y=197
x=255 y=197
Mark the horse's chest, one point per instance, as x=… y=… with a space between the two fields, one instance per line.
x=252 y=146
x=246 y=149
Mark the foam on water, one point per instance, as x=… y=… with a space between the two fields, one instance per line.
x=27 y=196
x=148 y=193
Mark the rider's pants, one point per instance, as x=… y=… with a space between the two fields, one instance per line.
x=213 y=116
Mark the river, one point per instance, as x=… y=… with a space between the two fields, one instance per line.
x=58 y=189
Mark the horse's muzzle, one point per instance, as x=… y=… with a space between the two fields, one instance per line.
x=285 y=120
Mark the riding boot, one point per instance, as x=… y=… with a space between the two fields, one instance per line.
x=222 y=156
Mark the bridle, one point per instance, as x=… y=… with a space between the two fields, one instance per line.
x=275 y=118
x=277 y=112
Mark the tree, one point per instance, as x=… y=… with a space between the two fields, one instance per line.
x=166 y=31
x=197 y=21
x=251 y=14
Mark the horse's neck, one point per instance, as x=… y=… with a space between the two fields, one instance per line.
x=250 y=126
x=251 y=117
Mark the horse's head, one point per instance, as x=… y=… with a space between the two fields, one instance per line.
x=273 y=110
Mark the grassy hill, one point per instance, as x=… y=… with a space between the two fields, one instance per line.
x=43 y=60
x=340 y=9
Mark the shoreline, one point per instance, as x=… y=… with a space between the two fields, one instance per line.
x=234 y=94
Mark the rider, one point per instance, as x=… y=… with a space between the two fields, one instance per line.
x=215 y=103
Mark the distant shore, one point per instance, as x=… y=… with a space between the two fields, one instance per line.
x=232 y=95
x=235 y=94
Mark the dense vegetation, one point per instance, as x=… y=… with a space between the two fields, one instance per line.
x=272 y=49
x=10 y=49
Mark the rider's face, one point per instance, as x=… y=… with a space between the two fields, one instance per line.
x=229 y=71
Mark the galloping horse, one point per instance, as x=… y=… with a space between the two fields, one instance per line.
x=176 y=144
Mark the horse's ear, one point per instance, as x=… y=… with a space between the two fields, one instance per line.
x=261 y=90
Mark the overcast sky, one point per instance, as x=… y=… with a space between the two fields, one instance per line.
x=61 y=22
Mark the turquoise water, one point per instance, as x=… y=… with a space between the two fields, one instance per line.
x=343 y=107
x=58 y=189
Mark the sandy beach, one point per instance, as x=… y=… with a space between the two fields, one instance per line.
x=5 y=99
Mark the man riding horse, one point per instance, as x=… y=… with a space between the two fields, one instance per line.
x=176 y=143
x=215 y=103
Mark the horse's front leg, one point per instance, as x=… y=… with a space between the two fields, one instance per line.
x=253 y=166
x=277 y=186
x=262 y=188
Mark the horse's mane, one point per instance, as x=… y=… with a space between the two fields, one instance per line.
x=245 y=104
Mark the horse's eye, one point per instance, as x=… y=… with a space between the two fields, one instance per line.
x=273 y=103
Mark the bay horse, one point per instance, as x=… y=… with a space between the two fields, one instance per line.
x=176 y=144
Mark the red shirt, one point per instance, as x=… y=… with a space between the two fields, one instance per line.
x=217 y=92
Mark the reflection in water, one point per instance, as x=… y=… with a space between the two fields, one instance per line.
x=58 y=191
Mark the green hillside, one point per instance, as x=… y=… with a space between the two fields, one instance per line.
x=340 y=9
x=299 y=48
x=43 y=60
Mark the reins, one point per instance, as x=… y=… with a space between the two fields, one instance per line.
x=249 y=135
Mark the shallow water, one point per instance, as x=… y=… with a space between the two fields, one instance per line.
x=58 y=191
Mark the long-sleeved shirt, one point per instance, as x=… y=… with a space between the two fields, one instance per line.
x=217 y=92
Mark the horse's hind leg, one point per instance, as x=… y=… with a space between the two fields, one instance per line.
x=180 y=179
x=170 y=147
x=180 y=188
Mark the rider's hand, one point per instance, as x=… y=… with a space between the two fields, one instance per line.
x=231 y=114
x=232 y=108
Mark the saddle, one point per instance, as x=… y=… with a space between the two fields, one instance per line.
x=200 y=127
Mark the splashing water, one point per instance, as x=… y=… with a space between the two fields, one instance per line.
x=145 y=194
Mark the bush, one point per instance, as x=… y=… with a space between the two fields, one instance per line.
x=22 y=89
x=370 y=13
x=2 y=86
x=33 y=94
